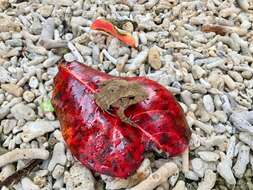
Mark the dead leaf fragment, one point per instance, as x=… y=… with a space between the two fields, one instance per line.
x=215 y=28
x=110 y=28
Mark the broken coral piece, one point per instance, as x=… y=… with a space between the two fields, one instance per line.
x=158 y=177
x=107 y=26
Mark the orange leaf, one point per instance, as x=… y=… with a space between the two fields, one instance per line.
x=106 y=26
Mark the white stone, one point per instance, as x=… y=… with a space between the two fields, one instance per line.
x=242 y=121
x=59 y=156
x=32 y=130
x=69 y=57
x=198 y=72
x=217 y=140
x=244 y=4
x=180 y=185
x=198 y=166
x=191 y=175
x=208 y=103
x=4 y=75
x=79 y=178
x=58 y=171
x=117 y=183
x=28 y=96
x=59 y=184
x=22 y=111
x=137 y=61
x=7 y=171
x=209 y=156
x=208 y=181
x=27 y=184
x=247 y=139
x=242 y=161
x=33 y=82
x=224 y=169
x=231 y=147
x=8 y=125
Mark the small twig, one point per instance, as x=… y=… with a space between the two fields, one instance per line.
x=18 y=175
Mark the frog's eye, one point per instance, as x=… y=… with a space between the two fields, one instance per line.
x=131 y=97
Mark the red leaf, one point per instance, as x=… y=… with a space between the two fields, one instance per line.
x=104 y=143
x=106 y=26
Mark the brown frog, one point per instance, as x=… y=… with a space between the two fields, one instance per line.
x=120 y=94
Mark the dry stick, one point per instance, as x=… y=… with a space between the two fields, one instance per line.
x=14 y=178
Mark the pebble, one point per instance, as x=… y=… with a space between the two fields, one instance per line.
x=4 y=110
x=137 y=61
x=59 y=156
x=208 y=156
x=186 y=97
x=79 y=178
x=28 y=184
x=208 y=181
x=229 y=82
x=198 y=166
x=45 y=10
x=12 y=89
x=8 y=125
x=221 y=116
x=8 y=24
x=247 y=74
x=117 y=183
x=244 y=4
x=224 y=169
x=32 y=130
x=208 y=103
x=198 y=72
x=22 y=111
x=28 y=96
x=2 y=98
x=231 y=147
x=180 y=185
x=247 y=139
x=59 y=183
x=236 y=76
x=191 y=175
x=242 y=161
x=240 y=121
x=33 y=82
x=4 y=4
x=154 y=59
x=58 y=171
x=69 y=57
x=4 y=75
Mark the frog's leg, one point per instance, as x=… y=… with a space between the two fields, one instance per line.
x=123 y=117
